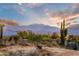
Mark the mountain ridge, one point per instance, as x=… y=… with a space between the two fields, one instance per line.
x=41 y=29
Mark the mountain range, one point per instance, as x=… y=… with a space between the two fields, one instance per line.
x=73 y=29
x=40 y=29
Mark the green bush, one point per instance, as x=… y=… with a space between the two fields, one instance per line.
x=54 y=44
x=54 y=35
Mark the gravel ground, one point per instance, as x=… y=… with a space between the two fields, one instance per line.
x=33 y=51
x=61 y=51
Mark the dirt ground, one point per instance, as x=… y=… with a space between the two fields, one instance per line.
x=33 y=51
x=61 y=51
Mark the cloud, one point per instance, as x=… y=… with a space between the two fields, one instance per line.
x=19 y=9
x=43 y=20
x=72 y=12
x=22 y=11
x=8 y=22
x=34 y=5
x=20 y=4
x=75 y=5
x=69 y=14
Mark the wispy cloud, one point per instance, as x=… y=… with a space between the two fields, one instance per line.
x=30 y=13
x=69 y=14
x=22 y=10
x=34 y=5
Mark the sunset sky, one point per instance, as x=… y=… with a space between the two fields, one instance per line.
x=30 y=13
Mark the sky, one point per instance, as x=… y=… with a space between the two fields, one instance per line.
x=40 y=13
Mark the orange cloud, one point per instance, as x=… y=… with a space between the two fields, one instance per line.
x=69 y=14
x=8 y=22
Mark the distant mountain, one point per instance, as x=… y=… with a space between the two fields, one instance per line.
x=11 y=30
x=36 y=28
x=40 y=29
x=73 y=29
x=74 y=26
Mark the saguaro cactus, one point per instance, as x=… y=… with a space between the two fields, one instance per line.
x=63 y=32
x=1 y=31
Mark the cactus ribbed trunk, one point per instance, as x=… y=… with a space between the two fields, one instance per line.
x=63 y=32
x=1 y=31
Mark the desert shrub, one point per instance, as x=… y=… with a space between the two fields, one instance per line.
x=22 y=34
x=54 y=35
x=54 y=44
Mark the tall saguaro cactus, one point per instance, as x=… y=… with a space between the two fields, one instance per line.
x=63 y=32
x=1 y=31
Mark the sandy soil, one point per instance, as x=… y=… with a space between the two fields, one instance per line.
x=61 y=51
x=33 y=51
